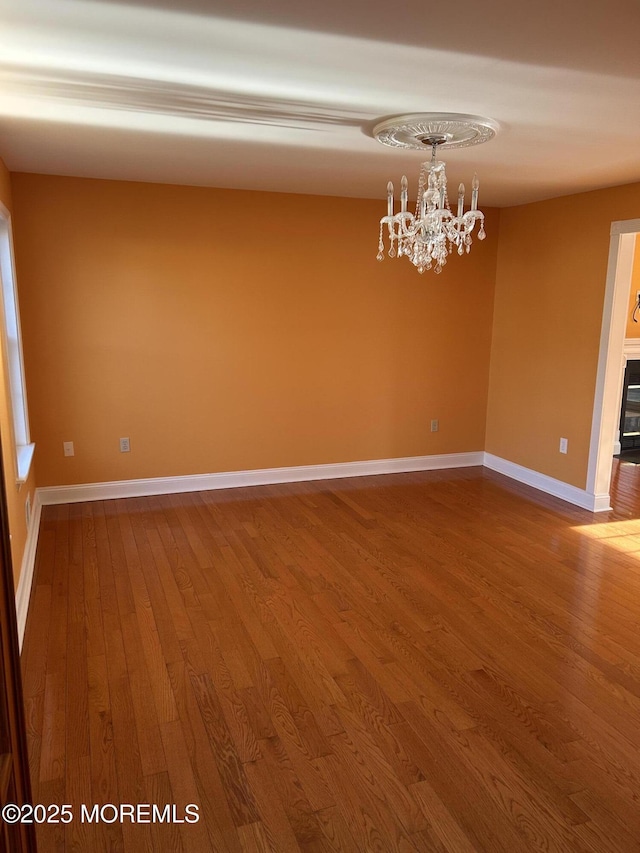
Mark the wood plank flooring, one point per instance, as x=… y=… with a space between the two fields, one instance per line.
x=443 y=661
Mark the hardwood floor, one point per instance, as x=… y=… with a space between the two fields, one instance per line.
x=443 y=661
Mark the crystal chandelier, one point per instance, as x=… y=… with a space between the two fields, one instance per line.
x=430 y=234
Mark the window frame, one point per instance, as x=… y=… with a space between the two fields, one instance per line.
x=13 y=356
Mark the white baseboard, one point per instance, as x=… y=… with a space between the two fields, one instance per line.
x=259 y=477
x=564 y=491
x=23 y=593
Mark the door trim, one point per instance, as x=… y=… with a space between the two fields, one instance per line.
x=608 y=391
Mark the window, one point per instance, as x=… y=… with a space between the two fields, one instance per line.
x=13 y=350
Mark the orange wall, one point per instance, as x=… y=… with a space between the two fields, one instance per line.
x=550 y=284
x=633 y=329
x=16 y=495
x=224 y=330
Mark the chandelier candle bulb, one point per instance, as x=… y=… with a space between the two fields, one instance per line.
x=389 y=199
x=404 y=194
x=475 y=186
x=460 y=200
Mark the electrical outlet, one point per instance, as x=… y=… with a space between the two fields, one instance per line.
x=564 y=445
x=125 y=446
x=435 y=425
x=68 y=448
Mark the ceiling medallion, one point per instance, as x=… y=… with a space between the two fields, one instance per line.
x=427 y=236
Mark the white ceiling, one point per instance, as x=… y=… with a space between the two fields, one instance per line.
x=282 y=95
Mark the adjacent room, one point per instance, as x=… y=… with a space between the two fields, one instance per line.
x=320 y=425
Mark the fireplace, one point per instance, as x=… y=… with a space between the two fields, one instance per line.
x=630 y=413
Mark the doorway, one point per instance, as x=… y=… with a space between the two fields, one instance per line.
x=609 y=378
